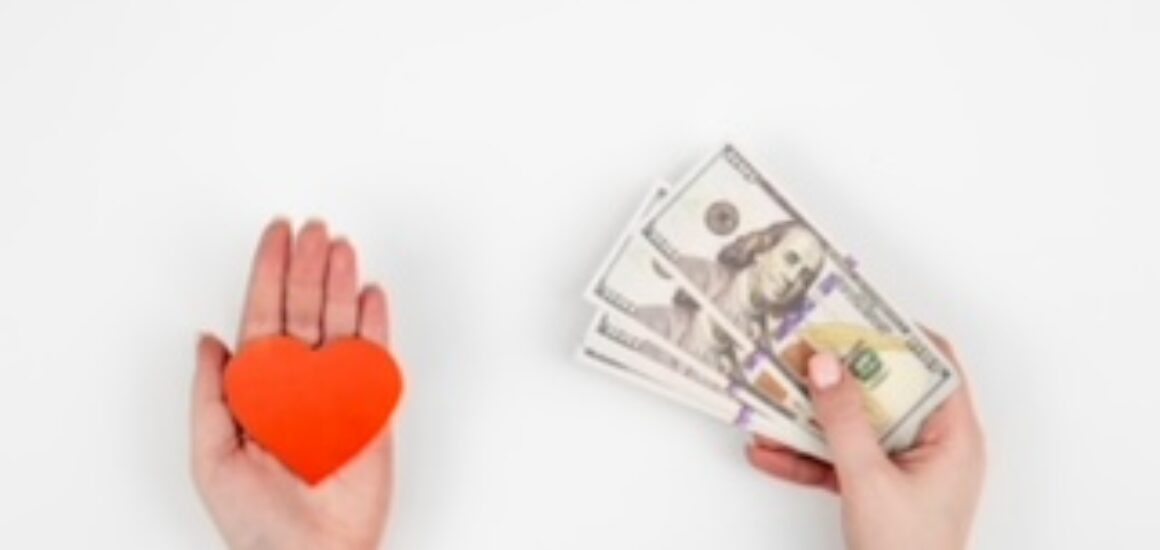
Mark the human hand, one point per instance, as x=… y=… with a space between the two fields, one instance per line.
x=921 y=499
x=307 y=289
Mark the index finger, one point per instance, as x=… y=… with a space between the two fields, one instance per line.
x=264 y=309
x=373 y=322
x=957 y=409
x=949 y=352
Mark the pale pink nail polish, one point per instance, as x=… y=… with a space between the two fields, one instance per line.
x=825 y=371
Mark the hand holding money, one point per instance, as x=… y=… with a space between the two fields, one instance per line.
x=721 y=289
x=922 y=498
x=722 y=296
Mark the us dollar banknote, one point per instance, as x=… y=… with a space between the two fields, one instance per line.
x=633 y=284
x=642 y=361
x=772 y=279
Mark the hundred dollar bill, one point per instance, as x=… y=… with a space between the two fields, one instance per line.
x=664 y=364
x=641 y=362
x=773 y=279
x=631 y=283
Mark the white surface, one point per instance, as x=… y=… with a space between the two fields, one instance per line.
x=994 y=162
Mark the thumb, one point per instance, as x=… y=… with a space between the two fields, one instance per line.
x=839 y=409
x=212 y=426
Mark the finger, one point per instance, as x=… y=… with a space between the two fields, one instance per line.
x=262 y=315
x=949 y=351
x=944 y=346
x=953 y=424
x=957 y=410
x=770 y=444
x=789 y=466
x=840 y=412
x=213 y=430
x=340 y=315
x=305 y=281
x=939 y=341
x=374 y=324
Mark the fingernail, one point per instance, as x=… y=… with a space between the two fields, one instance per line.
x=825 y=372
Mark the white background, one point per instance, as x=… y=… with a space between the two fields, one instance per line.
x=992 y=163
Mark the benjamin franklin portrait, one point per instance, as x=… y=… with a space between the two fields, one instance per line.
x=755 y=281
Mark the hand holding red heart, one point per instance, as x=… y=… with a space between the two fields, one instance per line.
x=304 y=287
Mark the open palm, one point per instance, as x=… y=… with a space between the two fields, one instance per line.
x=306 y=287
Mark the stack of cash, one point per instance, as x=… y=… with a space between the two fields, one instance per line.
x=719 y=291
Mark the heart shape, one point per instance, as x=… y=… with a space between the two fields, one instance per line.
x=313 y=409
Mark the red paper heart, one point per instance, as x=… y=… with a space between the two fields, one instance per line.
x=313 y=409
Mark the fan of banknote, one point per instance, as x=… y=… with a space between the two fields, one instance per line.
x=719 y=291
